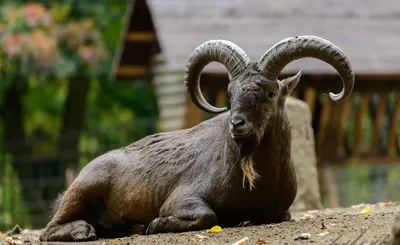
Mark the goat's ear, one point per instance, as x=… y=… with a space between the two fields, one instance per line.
x=290 y=83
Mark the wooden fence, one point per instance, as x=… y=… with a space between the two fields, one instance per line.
x=365 y=126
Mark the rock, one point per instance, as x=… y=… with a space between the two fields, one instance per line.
x=304 y=156
x=303 y=236
x=14 y=231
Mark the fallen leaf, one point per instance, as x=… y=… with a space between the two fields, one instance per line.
x=11 y=241
x=323 y=233
x=366 y=211
x=303 y=236
x=313 y=211
x=215 y=229
x=260 y=241
x=241 y=241
x=323 y=226
x=115 y=240
x=358 y=205
x=306 y=216
x=199 y=237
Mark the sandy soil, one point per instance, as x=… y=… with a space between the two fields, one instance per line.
x=356 y=225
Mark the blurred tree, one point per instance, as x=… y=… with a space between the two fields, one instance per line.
x=54 y=56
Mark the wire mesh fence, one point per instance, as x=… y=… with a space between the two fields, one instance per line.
x=31 y=181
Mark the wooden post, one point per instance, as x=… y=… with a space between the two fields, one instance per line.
x=377 y=121
x=171 y=95
x=330 y=185
x=394 y=126
x=193 y=114
x=360 y=123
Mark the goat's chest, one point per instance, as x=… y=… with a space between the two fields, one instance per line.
x=242 y=202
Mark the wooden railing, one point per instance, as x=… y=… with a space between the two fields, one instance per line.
x=366 y=126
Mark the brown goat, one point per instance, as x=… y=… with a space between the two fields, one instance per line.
x=234 y=167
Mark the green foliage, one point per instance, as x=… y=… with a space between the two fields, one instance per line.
x=79 y=30
x=117 y=114
x=355 y=185
x=13 y=209
x=394 y=183
x=43 y=112
x=79 y=40
x=60 y=39
x=70 y=26
x=355 y=189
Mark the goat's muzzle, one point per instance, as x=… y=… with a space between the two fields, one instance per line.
x=239 y=126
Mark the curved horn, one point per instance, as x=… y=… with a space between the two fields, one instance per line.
x=227 y=53
x=293 y=48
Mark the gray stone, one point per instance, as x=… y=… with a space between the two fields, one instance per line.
x=304 y=157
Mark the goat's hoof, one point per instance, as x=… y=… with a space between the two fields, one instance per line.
x=84 y=232
x=74 y=231
x=286 y=216
x=152 y=228
x=43 y=237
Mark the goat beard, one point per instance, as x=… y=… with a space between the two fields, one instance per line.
x=249 y=173
x=246 y=147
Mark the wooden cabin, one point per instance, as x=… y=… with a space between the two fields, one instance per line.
x=160 y=35
x=364 y=129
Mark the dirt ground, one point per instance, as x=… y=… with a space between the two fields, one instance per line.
x=355 y=225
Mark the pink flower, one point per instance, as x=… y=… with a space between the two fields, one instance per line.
x=34 y=12
x=87 y=54
x=13 y=44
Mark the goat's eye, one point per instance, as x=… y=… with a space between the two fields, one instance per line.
x=271 y=95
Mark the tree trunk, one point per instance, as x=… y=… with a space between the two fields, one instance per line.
x=15 y=142
x=73 y=121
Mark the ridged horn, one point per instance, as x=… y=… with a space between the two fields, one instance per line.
x=294 y=48
x=225 y=52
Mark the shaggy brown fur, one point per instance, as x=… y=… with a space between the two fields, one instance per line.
x=190 y=179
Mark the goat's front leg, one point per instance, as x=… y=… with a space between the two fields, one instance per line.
x=78 y=230
x=183 y=214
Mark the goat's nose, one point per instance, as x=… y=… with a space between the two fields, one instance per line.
x=237 y=121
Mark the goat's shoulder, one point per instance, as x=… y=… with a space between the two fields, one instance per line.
x=211 y=127
x=151 y=148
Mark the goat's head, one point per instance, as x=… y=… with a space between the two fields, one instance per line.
x=256 y=94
